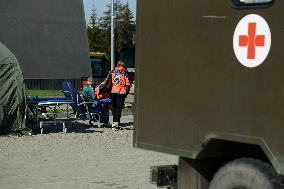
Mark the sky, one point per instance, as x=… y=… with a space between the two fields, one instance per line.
x=101 y=7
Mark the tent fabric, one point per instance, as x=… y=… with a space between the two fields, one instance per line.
x=12 y=93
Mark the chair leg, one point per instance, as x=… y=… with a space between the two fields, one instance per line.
x=91 y=124
x=99 y=120
x=41 y=127
x=64 y=127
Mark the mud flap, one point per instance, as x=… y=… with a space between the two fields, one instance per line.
x=164 y=176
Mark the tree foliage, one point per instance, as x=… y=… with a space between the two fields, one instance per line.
x=99 y=29
x=125 y=28
x=94 y=32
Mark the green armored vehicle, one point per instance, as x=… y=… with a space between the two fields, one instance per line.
x=210 y=89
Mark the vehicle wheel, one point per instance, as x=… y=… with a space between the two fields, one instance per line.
x=245 y=173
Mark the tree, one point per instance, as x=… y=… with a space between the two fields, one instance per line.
x=125 y=29
x=105 y=26
x=94 y=32
x=99 y=29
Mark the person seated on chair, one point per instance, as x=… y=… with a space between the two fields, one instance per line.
x=101 y=94
x=105 y=104
x=88 y=91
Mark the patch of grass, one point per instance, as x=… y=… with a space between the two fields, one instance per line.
x=44 y=93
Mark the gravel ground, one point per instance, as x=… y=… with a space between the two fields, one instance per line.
x=84 y=157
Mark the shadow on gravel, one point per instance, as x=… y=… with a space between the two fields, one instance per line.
x=127 y=126
x=82 y=128
x=71 y=127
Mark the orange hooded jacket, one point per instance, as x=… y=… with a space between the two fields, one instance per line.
x=120 y=81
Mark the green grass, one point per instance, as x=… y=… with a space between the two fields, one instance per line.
x=44 y=93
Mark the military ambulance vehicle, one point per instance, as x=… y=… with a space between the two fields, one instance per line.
x=210 y=89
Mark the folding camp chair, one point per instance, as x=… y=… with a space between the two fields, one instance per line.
x=83 y=110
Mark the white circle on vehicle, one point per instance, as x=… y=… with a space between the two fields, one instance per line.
x=252 y=40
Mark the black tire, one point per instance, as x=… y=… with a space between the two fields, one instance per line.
x=245 y=173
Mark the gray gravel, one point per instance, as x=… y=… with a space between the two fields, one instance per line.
x=84 y=157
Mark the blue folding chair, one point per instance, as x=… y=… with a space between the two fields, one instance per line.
x=84 y=110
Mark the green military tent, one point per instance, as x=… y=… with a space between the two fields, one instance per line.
x=12 y=93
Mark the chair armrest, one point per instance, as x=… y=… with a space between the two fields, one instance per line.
x=84 y=103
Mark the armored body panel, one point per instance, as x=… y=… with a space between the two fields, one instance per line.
x=190 y=86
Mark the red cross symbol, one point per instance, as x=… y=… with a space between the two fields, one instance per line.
x=251 y=40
